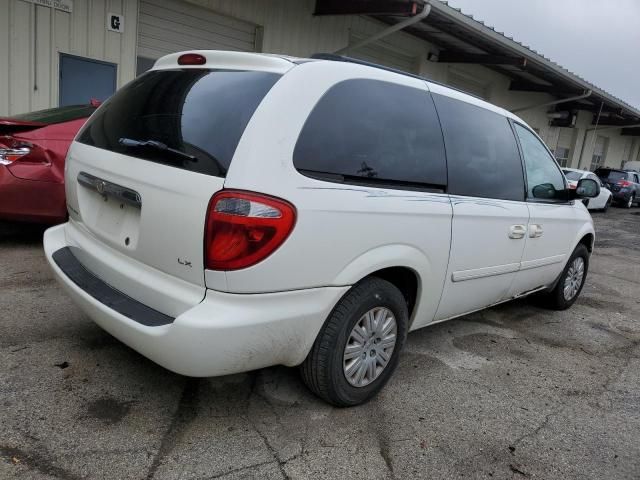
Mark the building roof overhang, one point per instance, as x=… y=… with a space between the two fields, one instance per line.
x=461 y=39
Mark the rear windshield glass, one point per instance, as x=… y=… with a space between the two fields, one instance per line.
x=572 y=175
x=193 y=118
x=56 y=115
x=611 y=175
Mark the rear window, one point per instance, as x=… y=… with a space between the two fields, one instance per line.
x=373 y=132
x=198 y=112
x=611 y=175
x=571 y=175
x=56 y=115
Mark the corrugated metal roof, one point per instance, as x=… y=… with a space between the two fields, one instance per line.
x=500 y=40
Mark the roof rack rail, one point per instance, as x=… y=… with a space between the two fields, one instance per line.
x=343 y=58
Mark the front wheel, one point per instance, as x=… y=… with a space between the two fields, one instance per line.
x=571 y=281
x=358 y=347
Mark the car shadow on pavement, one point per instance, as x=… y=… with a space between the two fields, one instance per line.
x=13 y=233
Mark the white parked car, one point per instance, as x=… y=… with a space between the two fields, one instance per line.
x=231 y=211
x=602 y=201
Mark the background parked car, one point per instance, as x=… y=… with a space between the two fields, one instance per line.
x=624 y=185
x=602 y=201
x=33 y=147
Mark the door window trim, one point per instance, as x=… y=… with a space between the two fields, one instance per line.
x=527 y=198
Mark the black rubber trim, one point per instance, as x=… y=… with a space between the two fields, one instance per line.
x=105 y=293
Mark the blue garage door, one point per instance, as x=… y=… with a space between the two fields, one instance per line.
x=82 y=79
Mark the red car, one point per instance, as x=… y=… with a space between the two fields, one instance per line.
x=33 y=147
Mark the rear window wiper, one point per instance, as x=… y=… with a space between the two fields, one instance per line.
x=130 y=142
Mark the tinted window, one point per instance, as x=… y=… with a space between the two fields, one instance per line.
x=482 y=153
x=373 y=131
x=544 y=180
x=611 y=175
x=202 y=113
x=635 y=178
x=571 y=175
x=56 y=115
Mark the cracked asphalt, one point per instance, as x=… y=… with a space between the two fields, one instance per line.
x=511 y=392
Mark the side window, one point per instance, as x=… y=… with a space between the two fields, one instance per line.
x=374 y=132
x=636 y=179
x=482 y=153
x=544 y=179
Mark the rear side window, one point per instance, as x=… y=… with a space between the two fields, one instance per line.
x=482 y=153
x=373 y=132
x=197 y=112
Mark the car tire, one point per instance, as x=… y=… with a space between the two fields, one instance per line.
x=568 y=288
x=607 y=205
x=329 y=373
x=629 y=202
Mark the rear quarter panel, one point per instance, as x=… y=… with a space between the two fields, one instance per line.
x=343 y=232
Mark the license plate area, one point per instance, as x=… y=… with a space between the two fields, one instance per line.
x=109 y=210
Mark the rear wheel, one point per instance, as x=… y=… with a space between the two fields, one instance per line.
x=629 y=203
x=607 y=205
x=358 y=347
x=570 y=283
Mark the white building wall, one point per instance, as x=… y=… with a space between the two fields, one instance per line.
x=587 y=135
x=290 y=28
x=32 y=38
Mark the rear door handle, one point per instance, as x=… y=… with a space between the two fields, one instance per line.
x=517 y=231
x=535 y=230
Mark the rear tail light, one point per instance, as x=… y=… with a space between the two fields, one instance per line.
x=624 y=183
x=12 y=150
x=244 y=228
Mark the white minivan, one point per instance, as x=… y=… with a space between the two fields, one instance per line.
x=232 y=211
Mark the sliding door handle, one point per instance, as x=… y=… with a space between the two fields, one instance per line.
x=535 y=230
x=517 y=231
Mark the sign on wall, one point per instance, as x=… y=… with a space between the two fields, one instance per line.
x=115 y=22
x=64 y=5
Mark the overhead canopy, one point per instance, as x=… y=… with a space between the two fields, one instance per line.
x=462 y=39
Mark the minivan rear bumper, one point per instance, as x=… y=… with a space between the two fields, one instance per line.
x=225 y=333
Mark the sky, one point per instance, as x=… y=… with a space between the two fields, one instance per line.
x=597 y=39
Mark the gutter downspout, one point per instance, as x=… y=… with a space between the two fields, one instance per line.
x=387 y=31
x=555 y=102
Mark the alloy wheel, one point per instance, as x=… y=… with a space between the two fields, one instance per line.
x=370 y=346
x=574 y=278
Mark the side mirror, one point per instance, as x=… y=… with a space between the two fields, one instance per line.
x=545 y=191
x=587 y=188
